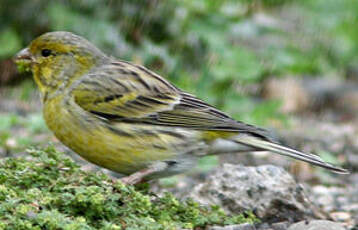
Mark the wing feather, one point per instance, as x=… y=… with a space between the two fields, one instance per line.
x=147 y=98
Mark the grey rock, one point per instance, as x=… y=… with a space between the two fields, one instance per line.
x=233 y=227
x=280 y=225
x=316 y=225
x=269 y=191
x=264 y=226
x=341 y=203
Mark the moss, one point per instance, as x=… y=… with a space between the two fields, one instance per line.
x=23 y=66
x=48 y=190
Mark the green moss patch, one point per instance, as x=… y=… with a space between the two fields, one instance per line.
x=48 y=190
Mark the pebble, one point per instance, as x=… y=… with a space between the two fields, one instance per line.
x=340 y=216
x=316 y=225
x=233 y=227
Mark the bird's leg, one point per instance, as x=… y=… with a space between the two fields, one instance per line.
x=139 y=176
x=136 y=177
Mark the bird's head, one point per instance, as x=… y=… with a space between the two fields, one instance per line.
x=58 y=58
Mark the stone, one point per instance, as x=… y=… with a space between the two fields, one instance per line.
x=316 y=225
x=341 y=216
x=269 y=191
x=280 y=226
x=233 y=227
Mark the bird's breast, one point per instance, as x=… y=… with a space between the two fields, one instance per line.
x=121 y=147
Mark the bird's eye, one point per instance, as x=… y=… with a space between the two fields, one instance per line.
x=45 y=52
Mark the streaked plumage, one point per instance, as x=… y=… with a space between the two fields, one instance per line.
x=128 y=119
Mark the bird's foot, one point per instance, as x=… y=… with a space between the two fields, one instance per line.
x=130 y=180
x=140 y=176
x=136 y=177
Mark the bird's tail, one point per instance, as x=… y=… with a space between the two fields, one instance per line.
x=261 y=144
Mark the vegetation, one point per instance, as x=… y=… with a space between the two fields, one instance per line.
x=49 y=191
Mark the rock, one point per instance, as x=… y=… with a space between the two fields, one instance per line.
x=326 y=197
x=341 y=216
x=275 y=226
x=316 y=225
x=280 y=226
x=269 y=191
x=233 y=227
x=341 y=203
x=332 y=198
x=264 y=226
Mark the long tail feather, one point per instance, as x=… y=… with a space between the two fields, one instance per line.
x=286 y=151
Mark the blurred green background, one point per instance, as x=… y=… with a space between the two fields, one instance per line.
x=222 y=51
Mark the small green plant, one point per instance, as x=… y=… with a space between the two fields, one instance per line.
x=48 y=190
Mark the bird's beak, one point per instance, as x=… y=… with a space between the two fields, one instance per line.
x=24 y=60
x=23 y=55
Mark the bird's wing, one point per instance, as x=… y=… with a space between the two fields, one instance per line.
x=123 y=92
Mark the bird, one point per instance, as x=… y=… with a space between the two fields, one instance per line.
x=128 y=119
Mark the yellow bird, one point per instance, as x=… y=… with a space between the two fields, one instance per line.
x=126 y=118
